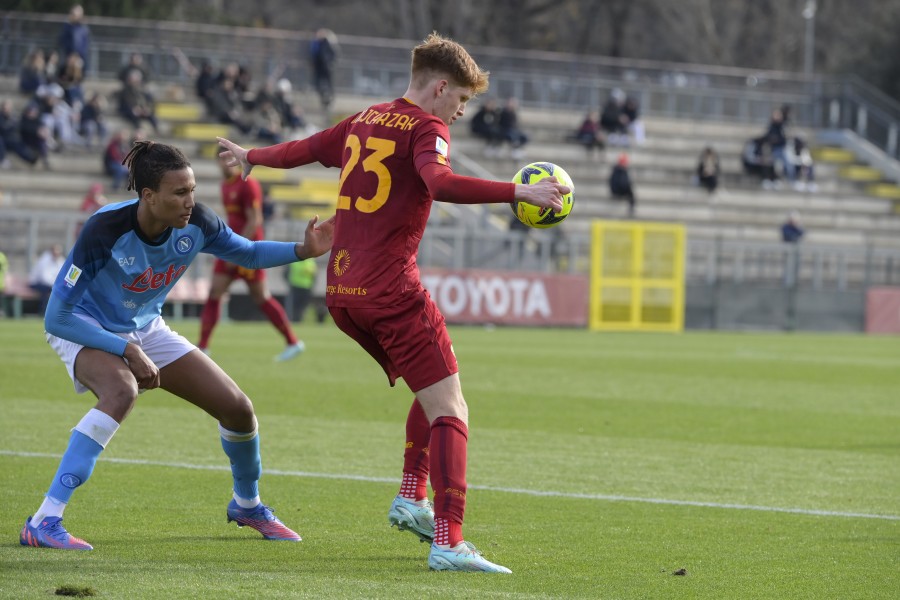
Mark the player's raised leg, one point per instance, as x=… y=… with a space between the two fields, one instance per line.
x=411 y=510
x=197 y=379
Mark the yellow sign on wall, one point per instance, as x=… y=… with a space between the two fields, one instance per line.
x=637 y=276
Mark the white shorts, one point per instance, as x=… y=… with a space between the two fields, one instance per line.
x=161 y=345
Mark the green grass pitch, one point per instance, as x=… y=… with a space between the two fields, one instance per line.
x=763 y=465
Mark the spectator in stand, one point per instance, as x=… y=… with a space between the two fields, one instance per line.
x=267 y=123
x=113 y=156
x=776 y=137
x=35 y=135
x=708 y=169
x=589 y=134
x=32 y=74
x=135 y=63
x=486 y=125
x=205 y=82
x=323 y=52
x=11 y=137
x=791 y=231
x=136 y=104
x=94 y=199
x=613 y=120
x=510 y=130
x=226 y=106
x=291 y=113
x=620 y=187
x=804 y=166
x=51 y=67
x=634 y=125
x=93 y=123
x=70 y=78
x=43 y=273
x=59 y=117
x=757 y=160
x=76 y=36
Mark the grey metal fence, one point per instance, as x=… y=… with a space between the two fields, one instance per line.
x=371 y=66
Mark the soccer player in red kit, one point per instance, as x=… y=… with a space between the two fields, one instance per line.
x=395 y=160
x=242 y=199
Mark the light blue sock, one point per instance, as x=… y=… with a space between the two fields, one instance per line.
x=76 y=466
x=242 y=450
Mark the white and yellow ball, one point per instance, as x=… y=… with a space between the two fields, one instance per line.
x=532 y=215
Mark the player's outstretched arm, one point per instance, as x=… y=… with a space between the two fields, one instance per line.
x=235 y=156
x=546 y=193
x=317 y=239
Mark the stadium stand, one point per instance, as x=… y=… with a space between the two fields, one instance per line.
x=855 y=205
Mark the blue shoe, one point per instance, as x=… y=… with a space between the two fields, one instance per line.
x=51 y=534
x=462 y=557
x=291 y=351
x=417 y=517
x=263 y=519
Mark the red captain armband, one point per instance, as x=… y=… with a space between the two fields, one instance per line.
x=446 y=186
x=283 y=156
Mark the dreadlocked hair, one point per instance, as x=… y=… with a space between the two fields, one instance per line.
x=148 y=161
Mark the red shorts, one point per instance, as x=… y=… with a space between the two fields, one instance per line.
x=237 y=272
x=409 y=340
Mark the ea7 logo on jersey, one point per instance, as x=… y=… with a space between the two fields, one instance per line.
x=441 y=146
x=148 y=280
x=72 y=275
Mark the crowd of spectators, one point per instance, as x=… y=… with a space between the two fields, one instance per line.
x=777 y=158
x=499 y=126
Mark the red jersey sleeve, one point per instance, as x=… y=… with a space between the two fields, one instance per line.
x=431 y=150
x=446 y=186
x=326 y=147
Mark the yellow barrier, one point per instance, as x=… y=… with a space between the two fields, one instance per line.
x=204 y=132
x=637 y=276
x=175 y=111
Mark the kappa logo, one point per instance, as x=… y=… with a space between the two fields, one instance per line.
x=149 y=280
x=184 y=244
x=72 y=275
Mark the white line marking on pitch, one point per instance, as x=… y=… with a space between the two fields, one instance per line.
x=488 y=488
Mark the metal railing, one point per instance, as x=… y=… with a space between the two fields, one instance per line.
x=707 y=261
x=379 y=67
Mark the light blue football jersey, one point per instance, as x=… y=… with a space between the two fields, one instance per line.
x=120 y=278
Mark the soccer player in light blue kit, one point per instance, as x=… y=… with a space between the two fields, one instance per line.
x=104 y=321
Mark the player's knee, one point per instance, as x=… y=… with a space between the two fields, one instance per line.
x=239 y=414
x=118 y=400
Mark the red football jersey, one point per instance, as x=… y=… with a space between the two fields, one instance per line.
x=239 y=197
x=383 y=203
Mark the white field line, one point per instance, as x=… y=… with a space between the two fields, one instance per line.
x=489 y=488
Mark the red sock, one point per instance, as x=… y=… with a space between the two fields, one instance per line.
x=209 y=316
x=273 y=309
x=415 y=457
x=449 y=439
x=447 y=533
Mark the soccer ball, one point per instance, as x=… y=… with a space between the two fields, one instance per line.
x=532 y=215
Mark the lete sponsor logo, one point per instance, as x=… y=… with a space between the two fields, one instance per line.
x=476 y=296
x=150 y=280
